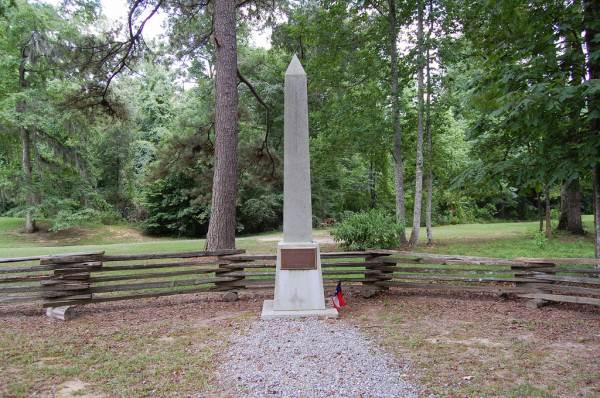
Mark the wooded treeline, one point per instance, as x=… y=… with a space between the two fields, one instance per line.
x=436 y=110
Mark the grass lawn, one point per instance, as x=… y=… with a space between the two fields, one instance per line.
x=114 y=239
x=509 y=240
x=514 y=239
x=164 y=348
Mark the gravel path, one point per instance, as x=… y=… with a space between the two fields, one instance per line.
x=310 y=358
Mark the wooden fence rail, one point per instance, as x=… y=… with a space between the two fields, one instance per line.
x=539 y=279
x=82 y=278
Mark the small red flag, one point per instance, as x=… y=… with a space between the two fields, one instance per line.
x=338 y=297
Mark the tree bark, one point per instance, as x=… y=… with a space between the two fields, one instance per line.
x=591 y=21
x=416 y=226
x=574 y=224
x=562 y=219
x=222 y=224
x=372 y=186
x=27 y=180
x=596 y=183
x=398 y=157
x=570 y=217
x=26 y=165
x=428 y=132
x=540 y=212
x=548 y=212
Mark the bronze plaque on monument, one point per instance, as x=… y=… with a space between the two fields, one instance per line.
x=299 y=259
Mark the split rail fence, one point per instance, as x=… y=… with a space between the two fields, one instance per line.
x=82 y=278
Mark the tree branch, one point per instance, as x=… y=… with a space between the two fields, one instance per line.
x=134 y=38
x=265 y=144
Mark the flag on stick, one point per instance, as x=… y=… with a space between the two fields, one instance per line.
x=337 y=299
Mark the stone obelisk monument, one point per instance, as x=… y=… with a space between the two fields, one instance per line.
x=298 y=279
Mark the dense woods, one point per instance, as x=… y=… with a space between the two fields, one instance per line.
x=434 y=111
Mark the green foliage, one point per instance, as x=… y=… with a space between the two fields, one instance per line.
x=261 y=214
x=66 y=218
x=368 y=230
x=508 y=115
x=540 y=239
x=172 y=209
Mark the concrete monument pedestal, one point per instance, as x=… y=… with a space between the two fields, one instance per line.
x=298 y=284
x=269 y=313
x=298 y=277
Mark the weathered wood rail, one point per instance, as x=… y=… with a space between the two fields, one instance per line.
x=539 y=279
x=81 y=278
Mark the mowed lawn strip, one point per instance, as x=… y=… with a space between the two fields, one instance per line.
x=508 y=240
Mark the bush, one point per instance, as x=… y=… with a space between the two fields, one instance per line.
x=173 y=208
x=373 y=229
x=540 y=239
x=261 y=214
x=67 y=218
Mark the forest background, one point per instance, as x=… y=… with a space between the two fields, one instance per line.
x=437 y=112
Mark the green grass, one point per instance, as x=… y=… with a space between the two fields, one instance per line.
x=141 y=356
x=507 y=239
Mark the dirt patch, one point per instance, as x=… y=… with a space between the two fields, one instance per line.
x=225 y=318
x=455 y=345
x=476 y=345
x=472 y=342
x=75 y=388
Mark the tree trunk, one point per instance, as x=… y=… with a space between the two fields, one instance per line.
x=416 y=226
x=372 y=186
x=548 y=212
x=26 y=165
x=428 y=132
x=540 y=212
x=574 y=224
x=398 y=158
x=596 y=183
x=27 y=180
x=591 y=21
x=562 y=218
x=570 y=217
x=222 y=225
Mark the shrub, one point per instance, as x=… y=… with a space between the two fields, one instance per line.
x=540 y=239
x=368 y=230
x=173 y=208
x=261 y=214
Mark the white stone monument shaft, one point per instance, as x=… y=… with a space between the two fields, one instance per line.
x=297 y=208
x=299 y=291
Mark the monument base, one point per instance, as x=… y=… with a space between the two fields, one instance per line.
x=269 y=313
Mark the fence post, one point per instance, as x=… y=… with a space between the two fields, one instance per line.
x=379 y=271
x=528 y=269
x=68 y=281
x=232 y=268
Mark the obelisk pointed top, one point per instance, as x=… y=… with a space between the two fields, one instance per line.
x=295 y=67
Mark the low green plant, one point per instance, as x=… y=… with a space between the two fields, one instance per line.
x=368 y=230
x=540 y=239
x=261 y=214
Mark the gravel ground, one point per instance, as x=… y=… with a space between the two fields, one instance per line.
x=310 y=358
